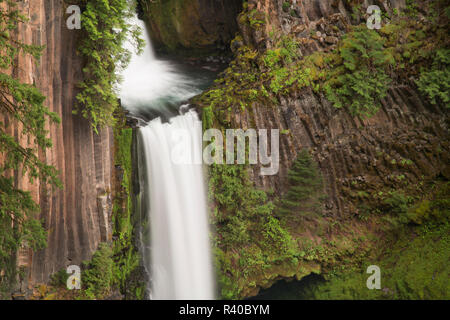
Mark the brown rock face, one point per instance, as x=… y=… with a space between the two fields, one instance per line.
x=77 y=218
x=191 y=24
x=349 y=149
x=371 y=152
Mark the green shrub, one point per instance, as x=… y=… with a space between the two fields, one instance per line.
x=97 y=275
x=359 y=80
x=305 y=184
x=397 y=203
x=59 y=279
x=435 y=83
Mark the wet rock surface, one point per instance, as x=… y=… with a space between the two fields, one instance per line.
x=78 y=216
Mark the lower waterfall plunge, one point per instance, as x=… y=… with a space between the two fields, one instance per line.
x=176 y=242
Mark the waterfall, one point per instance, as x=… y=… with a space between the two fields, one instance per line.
x=175 y=231
x=152 y=87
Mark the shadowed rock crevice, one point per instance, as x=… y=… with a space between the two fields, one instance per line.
x=191 y=26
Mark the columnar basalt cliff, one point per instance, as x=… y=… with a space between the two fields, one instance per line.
x=403 y=146
x=77 y=217
x=345 y=147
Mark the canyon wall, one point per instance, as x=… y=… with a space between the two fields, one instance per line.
x=191 y=25
x=402 y=147
x=76 y=217
x=369 y=151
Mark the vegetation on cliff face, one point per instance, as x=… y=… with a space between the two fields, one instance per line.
x=435 y=83
x=305 y=189
x=118 y=261
x=258 y=241
x=23 y=104
x=356 y=74
x=413 y=262
x=244 y=219
x=113 y=270
x=360 y=80
x=105 y=27
x=125 y=255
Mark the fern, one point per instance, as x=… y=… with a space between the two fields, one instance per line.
x=435 y=83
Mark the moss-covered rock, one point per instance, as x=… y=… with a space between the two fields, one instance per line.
x=191 y=25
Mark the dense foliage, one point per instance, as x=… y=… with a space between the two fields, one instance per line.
x=414 y=263
x=23 y=105
x=106 y=27
x=435 y=83
x=361 y=80
x=244 y=219
x=98 y=276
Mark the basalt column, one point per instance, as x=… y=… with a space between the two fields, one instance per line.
x=76 y=217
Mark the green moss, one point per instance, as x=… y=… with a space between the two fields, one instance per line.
x=255 y=19
x=125 y=255
x=413 y=262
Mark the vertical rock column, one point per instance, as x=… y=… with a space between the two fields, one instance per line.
x=78 y=216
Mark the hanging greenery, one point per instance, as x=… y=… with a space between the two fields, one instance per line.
x=106 y=26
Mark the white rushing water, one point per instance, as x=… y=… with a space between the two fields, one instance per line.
x=175 y=235
x=150 y=83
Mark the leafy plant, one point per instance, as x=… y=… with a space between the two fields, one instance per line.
x=435 y=83
x=361 y=79
x=105 y=24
